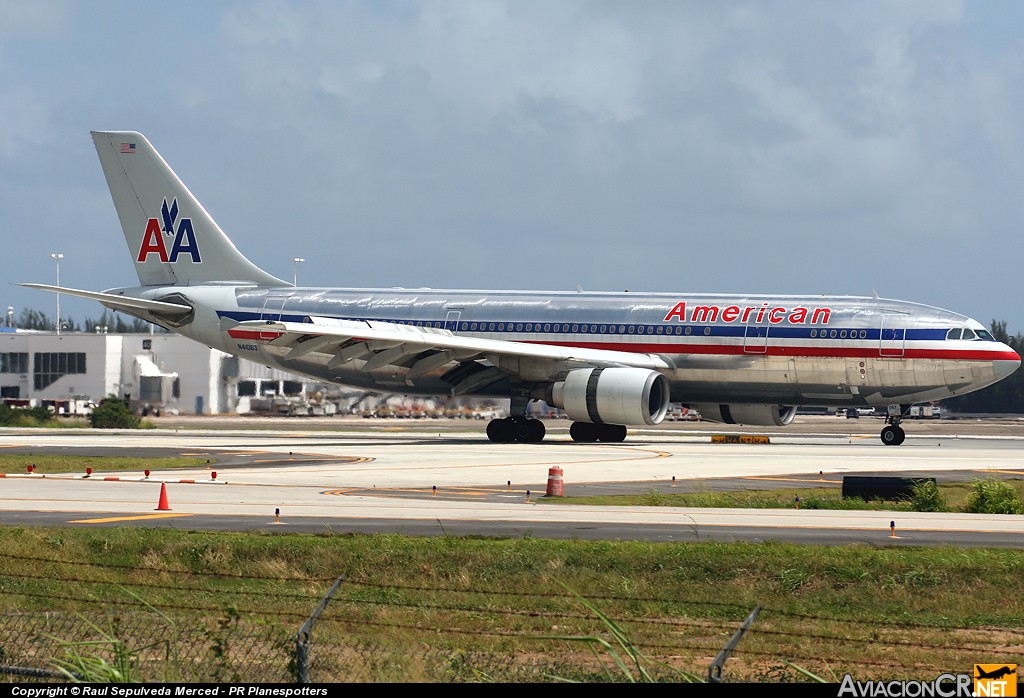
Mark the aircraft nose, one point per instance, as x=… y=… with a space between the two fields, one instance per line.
x=1004 y=367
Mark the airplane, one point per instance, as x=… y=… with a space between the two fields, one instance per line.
x=609 y=360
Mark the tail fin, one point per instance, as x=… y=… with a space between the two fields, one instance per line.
x=171 y=237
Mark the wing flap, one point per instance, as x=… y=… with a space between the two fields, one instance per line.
x=374 y=337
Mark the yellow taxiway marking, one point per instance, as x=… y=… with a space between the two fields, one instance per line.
x=142 y=517
x=999 y=470
x=791 y=479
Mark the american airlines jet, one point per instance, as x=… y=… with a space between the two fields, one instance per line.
x=609 y=360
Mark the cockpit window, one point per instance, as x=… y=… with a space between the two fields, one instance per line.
x=968 y=334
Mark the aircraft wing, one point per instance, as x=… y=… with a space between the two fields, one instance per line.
x=383 y=343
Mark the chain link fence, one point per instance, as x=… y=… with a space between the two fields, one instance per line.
x=147 y=647
x=143 y=647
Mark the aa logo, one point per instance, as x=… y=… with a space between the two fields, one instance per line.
x=995 y=680
x=184 y=237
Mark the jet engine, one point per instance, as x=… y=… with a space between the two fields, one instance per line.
x=754 y=415
x=624 y=396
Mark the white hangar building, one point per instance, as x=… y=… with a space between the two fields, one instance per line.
x=157 y=372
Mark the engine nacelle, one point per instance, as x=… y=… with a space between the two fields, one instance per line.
x=754 y=415
x=625 y=396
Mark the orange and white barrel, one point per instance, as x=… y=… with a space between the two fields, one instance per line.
x=554 y=482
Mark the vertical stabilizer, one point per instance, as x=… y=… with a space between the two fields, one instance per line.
x=171 y=237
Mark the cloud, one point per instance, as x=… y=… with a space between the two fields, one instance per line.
x=842 y=147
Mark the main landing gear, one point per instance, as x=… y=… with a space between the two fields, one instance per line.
x=512 y=429
x=523 y=429
x=588 y=433
x=526 y=430
x=893 y=434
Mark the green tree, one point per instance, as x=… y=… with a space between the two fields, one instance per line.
x=117 y=324
x=113 y=413
x=1006 y=396
x=31 y=319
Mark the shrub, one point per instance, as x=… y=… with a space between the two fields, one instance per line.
x=24 y=416
x=994 y=497
x=113 y=413
x=926 y=497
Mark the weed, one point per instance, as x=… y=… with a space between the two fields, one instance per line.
x=994 y=497
x=926 y=497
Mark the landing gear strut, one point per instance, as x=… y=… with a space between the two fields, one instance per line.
x=893 y=434
x=512 y=429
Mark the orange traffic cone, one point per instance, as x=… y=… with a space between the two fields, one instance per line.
x=163 y=505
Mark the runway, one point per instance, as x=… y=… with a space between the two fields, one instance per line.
x=447 y=479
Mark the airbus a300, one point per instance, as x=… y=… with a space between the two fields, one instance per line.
x=608 y=360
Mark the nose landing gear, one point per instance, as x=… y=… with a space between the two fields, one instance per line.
x=893 y=434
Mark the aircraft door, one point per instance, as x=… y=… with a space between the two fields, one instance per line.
x=273 y=309
x=893 y=334
x=451 y=321
x=755 y=338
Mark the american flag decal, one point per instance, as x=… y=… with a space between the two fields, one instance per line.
x=127 y=148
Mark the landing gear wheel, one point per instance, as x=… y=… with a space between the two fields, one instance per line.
x=535 y=431
x=511 y=429
x=583 y=432
x=501 y=431
x=893 y=435
x=611 y=433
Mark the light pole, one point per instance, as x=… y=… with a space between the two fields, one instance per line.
x=57 y=256
x=295 y=270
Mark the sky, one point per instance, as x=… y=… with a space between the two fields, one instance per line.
x=736 y=147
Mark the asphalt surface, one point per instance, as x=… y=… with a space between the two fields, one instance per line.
x=441 y=477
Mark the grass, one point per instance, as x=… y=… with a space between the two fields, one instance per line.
x=506 y=610
x=497 y=604
x=52 y=465
x=956 y=497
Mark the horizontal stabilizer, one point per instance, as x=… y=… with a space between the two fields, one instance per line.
x=113 y=300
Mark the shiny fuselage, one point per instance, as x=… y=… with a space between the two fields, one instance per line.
x=792 y=350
